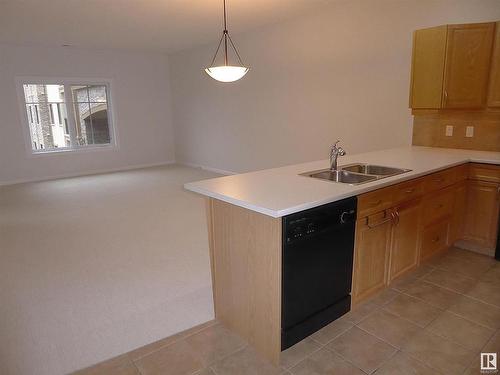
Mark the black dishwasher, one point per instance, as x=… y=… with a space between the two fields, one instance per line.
x=318 y=247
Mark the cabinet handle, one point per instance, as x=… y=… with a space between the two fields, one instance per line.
x=445 y=96
x=377 y=202
x=409 y=191
x=439 y=206
x=436 y=239
x=386 y=220
x=396 y=217
x=439 y=179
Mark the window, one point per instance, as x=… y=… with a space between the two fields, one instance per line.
x=59 y=113
x=91 y=114
x=51 y=113
x=37 y=114
x=66 y=116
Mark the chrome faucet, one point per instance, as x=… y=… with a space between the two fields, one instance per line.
x=335 y=152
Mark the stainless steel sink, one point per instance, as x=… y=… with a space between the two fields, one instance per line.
x=376 y=170
x=355 y=174
x=341 y=176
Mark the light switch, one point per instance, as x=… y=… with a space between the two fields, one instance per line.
x=449 y=131
x=469 y=131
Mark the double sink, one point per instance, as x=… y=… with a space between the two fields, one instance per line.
x=355 y=174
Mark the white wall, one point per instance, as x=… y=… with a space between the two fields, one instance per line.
x=141 y=99
x=340 y=73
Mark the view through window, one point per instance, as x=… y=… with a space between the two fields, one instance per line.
x=66 y=117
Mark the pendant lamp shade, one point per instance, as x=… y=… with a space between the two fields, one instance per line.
x=226 y=72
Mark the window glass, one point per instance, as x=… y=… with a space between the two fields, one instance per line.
x=51 y=128
x=91 y=114
x=40 y=100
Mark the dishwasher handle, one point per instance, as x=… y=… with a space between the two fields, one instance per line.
x=347 y=216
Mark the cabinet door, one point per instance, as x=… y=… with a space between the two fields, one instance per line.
x=429 y=51
x=494 y=92
x=459 y=210
x=468 y=55
x=405 y=239
x=482 y=213
x=373 y=236
x=434 y=238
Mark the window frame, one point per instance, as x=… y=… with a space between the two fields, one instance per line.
x=68 y=101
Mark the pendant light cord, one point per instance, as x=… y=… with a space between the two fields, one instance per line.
x=225 y=17
x=225 y=37
x=225 y=34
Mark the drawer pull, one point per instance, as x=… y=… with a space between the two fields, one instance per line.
x=396 y=217
x=439 y=179
x=386 y=220
x=435 y=239
x=409 y=191
x=377 y=202
x=439 y=206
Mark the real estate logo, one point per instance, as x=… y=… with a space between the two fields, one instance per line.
x=489 y=363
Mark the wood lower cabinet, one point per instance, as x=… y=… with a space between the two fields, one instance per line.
x=405 y=239
x=481 y=220
x=371 y=257
x=386 y=247
x=386 y=244
x=421 y=218
x=435 y=238
x=458 y=214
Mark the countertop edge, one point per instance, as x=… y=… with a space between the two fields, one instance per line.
x=191 y=186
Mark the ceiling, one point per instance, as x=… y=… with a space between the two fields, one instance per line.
x=160 y=25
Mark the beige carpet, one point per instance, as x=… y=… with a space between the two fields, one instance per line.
x=96 y=266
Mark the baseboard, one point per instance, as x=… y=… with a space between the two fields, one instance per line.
x=204 y=167
x=88 y=173
x=474 y=247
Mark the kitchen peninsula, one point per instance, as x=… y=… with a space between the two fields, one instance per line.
x=400 y=221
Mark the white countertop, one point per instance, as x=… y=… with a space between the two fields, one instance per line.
x=281 y=191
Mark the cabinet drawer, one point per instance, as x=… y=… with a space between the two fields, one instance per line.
x=434 y=238
x=438 y=206
x=439 y=180
x=375 y=201
x=485 y=172
x=406 y=191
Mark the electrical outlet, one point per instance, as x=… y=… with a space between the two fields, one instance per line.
x=449 y=131
x=469 y=131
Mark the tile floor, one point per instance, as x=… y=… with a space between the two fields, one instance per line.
x=435 y=320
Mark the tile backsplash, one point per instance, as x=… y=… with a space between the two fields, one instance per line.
x=431 y=129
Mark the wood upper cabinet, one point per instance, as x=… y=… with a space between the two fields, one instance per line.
x=429 y=53
x=451 y=66
x=494 y=90
x=467 y=67
x=373 y=236
x=405 y=239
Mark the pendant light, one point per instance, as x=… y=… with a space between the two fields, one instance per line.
x=226 y=72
